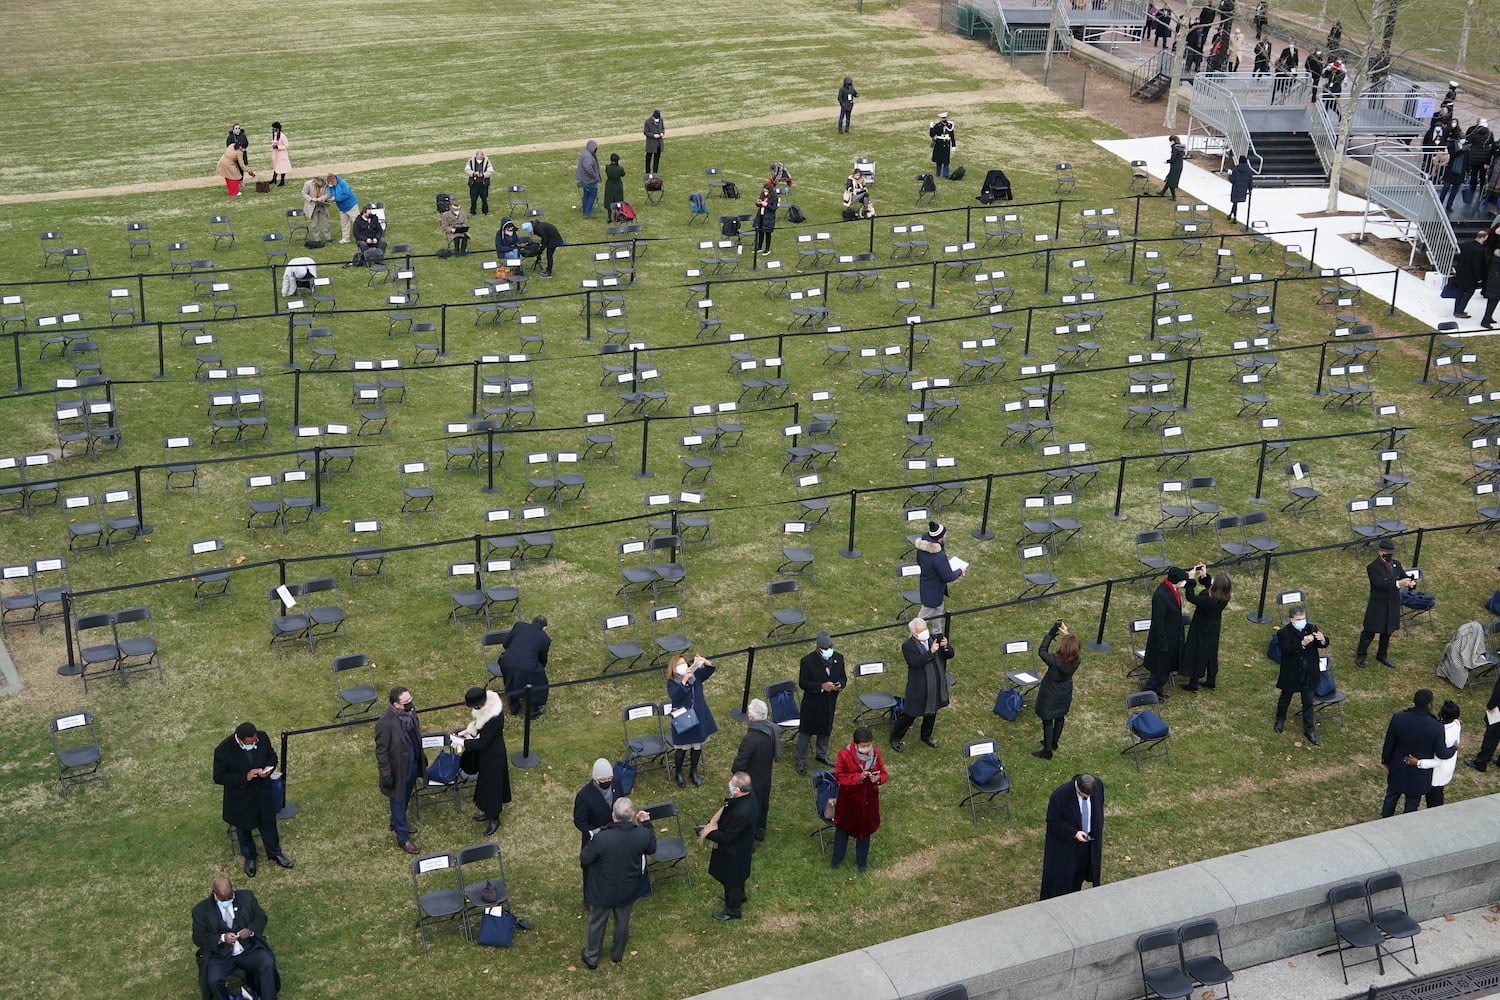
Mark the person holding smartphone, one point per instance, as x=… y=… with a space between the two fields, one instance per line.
x=856 y=812
x=1200 y=655
x=1299 y=641
x=243 y=764
x=1054 y=696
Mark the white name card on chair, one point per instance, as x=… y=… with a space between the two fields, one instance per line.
x=640 y=711
x=287 y=599
x=980 y=749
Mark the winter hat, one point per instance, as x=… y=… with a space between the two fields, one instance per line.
x=848 y=81
x=1177 y=575
x=944 y=115
x=526 y=228
x=825 y=641
x=935 y=531
x=1386 y=545
x=603 y=769
x=474 y=697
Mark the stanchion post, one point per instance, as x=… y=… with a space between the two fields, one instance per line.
x=443 y=330
x=1427 y=364
x=318 y=505
x=1097 y=644
x=288 y=808
x=1395 y=284
x=1260 y=475
x=291 y=339
x=161 y=352
x=15 y=345
x=142 y=528
x=931 y=303
x=296 y=396
x=983 y=532
x=474 y=391
x=489 y=488
x=643 y=472
x=851 y=552
x=524 y=758
x=1259 y=616
x=72 y=668
x=1187 y=384
x=742 y=714
x=1115 y=514
x=1322 y=356
x=1416 y=552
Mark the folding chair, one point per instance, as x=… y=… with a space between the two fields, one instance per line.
x=1018 y=666
x=366 y=550
x=19 y=606
x=785 y=601
x=1352 y=933
x=873 y=692
x=1167 y=982
x=668 y=643
x=76 y=748
x=670 y=860
x=86 y=534
x=622 y=642
x=1393 y=922
x=417 y=495
x=796 y=559
x=209 y=566
x=1205 y=970
x=1037 y=578
x=1139 y=628
x=996 y=786
x=97 y=651
x=440 y=908
x=135 y=638
x=1304 y=495
x=353 y=684
x=1148 y=734
x=289 y=627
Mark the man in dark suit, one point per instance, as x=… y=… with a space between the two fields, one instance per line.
x=1164 y=639
x=400 y=761
x=1299 y=641
x=926 y=658
x=612 y=864
x=523 y=662
x=229 y=932
x=1481 y=760
x=243 y=764
x=821 y=676
x=1073 y=851
x=759 y=750
x=732 y=834
x=1417 y=733
x=1383 y=610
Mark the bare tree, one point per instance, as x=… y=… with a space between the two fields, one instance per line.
x=1185 y=24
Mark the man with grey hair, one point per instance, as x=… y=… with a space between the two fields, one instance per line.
x=927 y=656
x=759 y=750
x=613 y=862
x=731 y=834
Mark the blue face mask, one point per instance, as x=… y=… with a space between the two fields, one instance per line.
x=827 y=654
x=732 y=789
x=1300 y=625
x=247 y=747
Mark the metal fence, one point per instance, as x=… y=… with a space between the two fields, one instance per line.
x=1398 y=185
x=1214 y=105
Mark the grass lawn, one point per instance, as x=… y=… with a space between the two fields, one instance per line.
x=153 y=840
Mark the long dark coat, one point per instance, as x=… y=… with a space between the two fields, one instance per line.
x=1492 y=275
x=1299 y=663
x=937 y=573
x=614 y=183
x=612 y=863
x=1054 y=696
x=1174 y=164
x=926 y=678
x=208 y=926
x=729 y=862
x=1200 y=655
x=857 y=810
x=1164 y=640
x=757 y=754
x=1241 y=182
x=492 y=789
x=1383 y=610
x=765 y=215
x=591 y=811
x=818 y=706
x=247 y=804
x=944 y=140
x=390 y=752
x=654 y=129
x=691 y=696
x=524 y=661
x=1468 y=270
x=1065 y=862
x=1415 y=731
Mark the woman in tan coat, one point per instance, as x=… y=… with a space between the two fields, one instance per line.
x=233 y=169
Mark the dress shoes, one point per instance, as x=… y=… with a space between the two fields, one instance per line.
x=409 y=847
x=930 y=742
x=283 y=860
x=250 y=867
x=492 y=826
x=696 y=778
x=1312 y=738
x=1043 y=754
x=726 y=915
x=802 y=768
x=1463 y=316
x=1359 y=661
x=585 y=961
x=1481 y=768
x=1280 y=725
x=1384 y=662
x=897 y=746
x=824 y=761
x=414 y=831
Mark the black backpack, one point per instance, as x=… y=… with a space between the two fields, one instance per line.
x=928 y=184
x=850 y=214
x=444 y=202
x=957 y=175
x=731 y=189
x=730 y=226
x=794 y=214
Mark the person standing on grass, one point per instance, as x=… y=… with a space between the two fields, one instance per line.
x=847 y=94
x=655 y=131
x=345 y=201
x=856 y=812
x=281 y=163
x=479 y=170
x=1441 y=767
x=614 y=185
x=937 y=573
x=233 y=169
x=1200 y=654
x=1163 y=655
x=1412 y=735
x=685 y=690
x=612 y=861
x=821 y=676
x=1073 y=851
x=243 y=765
x=482 y=752
x=549 y=237
x=944 y=142
x=1481 y=760
x=731 y=833
x=1298 y=642
x=1054 y=695
x=315 y=201
x=764 y=222
x=586 y=176
x=926 y=656
x=399 y=760
x=1383 y=609
x=239 y=138
x=759 y=750
x=523 y=662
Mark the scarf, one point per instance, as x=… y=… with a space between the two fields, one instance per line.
x=865 y=757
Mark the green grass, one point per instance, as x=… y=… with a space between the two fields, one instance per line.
x=152 y=841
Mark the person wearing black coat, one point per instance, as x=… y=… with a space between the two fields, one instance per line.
x=1073 y=852
x=1458 y=169
x=1468 y=273
x=1163 y=656
x=238 y=137
x=547 y=234
x=1481 y=760
x=764 y=222
x=944 y=142
x=229 y=931
x=1174 y=168
x=760 y=749
x=1241 y=183
x=1054 y=695
x=592 y=804
x=368 y=232
x=1200 y=654
x=926 y=656
x=484 y=755
x=1383 y=610
x=732 y=834
x=1417 y=733
x=243 y=764
x=1491 y=279
x=821 y=676
x=1299 y=641
x=523 y=662
x=847 y=94
x=655 y=131
x=612 y=864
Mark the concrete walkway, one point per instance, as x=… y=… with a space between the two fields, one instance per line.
x=1446 y=943
x=1287 y=209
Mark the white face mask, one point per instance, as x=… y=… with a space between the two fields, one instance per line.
x=827 y=654
x=732 y=789
x=923 y=636
x=682 y=670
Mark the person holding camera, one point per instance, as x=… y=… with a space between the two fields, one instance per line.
x=1299 y=641
x=1200 y=655
x=926 y=656
x=479 y=170
x=685 y=689
x=1054 y=696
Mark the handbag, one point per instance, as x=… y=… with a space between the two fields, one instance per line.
x=444 y=768
x=1449 y=292
x=497 y=928
x=625 y=773
x=684 y=721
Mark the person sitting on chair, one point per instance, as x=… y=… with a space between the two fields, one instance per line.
x=368 y=232
x=455 y=223
x=229 y=932
x=507 y=240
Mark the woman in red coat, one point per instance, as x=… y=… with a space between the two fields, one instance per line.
x=856 y=813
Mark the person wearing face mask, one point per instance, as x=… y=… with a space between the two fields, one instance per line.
x=685 y=689
x=821 y=677
x=240 y=139
x=243 y=764
x=482 y=746
x=1164 y=641
x=731 y=833
x=856 y=813
x=399 y=759
x=759 y=751
x=926 y=656
x=229 y=931
x=592 y=803
x=1299 y=641
x=1383 y=610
